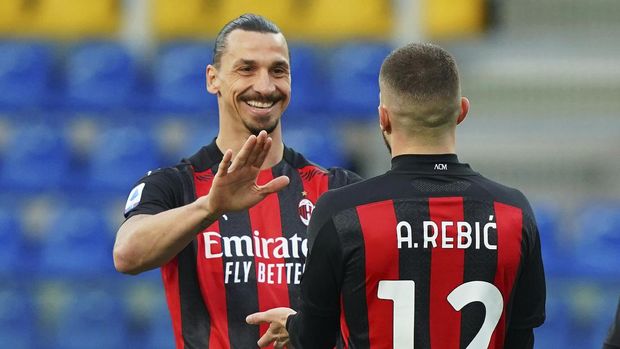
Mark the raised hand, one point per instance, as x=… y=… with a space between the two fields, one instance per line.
x=276 y=333
x=234 y=186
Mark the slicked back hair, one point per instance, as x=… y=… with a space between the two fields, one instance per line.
x=424 y=77
x=248 y=22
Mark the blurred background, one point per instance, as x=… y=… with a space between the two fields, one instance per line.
x=93 y=94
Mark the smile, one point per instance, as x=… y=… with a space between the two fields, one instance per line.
x=260 y=105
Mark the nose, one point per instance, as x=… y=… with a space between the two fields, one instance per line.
x=264 y=84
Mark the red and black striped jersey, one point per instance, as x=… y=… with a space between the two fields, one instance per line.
x=429 y=255
x=246 y=262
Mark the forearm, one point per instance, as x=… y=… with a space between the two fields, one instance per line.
x=145 y=242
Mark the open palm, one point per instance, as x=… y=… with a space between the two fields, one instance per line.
x=234 y=186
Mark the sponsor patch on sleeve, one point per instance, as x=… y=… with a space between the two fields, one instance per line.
x=134 y=197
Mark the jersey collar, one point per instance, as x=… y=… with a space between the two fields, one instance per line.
x=432 y=164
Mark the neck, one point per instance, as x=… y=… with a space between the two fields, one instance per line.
x=402 y=145
x=234 y=140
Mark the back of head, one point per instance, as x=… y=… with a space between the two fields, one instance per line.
x=248 y=22
x=420 y=86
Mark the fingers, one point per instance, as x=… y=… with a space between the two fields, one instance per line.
x=266 y=339
x=274 y=185
x=263 y=153
x=225 y=164
x=256 y=318
x=261 y=139
x=242 y=157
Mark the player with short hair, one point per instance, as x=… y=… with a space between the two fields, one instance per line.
x=219 y=259
x=430 y=254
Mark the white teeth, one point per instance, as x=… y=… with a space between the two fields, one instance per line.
x=257 y=104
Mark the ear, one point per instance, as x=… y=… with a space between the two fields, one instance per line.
x=384 y=119
x=464 y=110
x=213 y=83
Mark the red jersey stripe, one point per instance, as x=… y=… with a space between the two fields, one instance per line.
x=211 y=273
x=313 y=188
x=378 y=223
x=170 y=278
x=271 y=280
x=344 y=328
x=447 y=267
x=509 y=234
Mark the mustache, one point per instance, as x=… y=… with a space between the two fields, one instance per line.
x=253 y=96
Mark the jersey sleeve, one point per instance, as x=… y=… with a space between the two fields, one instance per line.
x=339 y=177
x=613 y=337
x=528 y=308
x=156 y=192
x=320 y=286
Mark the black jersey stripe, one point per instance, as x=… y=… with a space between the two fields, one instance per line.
x=354 y=290
x=195 y=321
x=293 y=229
x=415 y=264
x=480 y=265
x=239 y=281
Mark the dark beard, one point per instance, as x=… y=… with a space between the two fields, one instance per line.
x=255 y=130
x=386 y=142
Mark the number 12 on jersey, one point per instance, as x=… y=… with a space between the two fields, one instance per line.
x=402 y=293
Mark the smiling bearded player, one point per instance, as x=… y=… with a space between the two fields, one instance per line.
x=220 y=261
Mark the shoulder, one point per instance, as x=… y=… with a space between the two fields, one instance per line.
x=337 y=200
x=338 y=176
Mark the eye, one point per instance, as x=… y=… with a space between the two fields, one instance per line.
x=280 y=71
x=246 y=69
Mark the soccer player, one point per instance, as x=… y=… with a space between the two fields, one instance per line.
x=430 y=254
x=220 y=260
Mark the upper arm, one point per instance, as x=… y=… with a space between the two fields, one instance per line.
x=339 y=177
x=528 y=308
x=156 y=192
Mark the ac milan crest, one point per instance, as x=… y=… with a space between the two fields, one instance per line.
x=305 y=210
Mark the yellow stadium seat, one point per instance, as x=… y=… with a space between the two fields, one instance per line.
x=278 y=11
x=77 y=18
x=446 y=19
x=188 y=18
x=12 y=16
x=344 y=19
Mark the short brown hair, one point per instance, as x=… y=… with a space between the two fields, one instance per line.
x=423 y=75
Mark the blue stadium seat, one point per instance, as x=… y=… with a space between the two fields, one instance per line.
x=120 y=157
x=318 y=143
x=598 y=242
x=37 y=157
x=11 y=240
x=308 y=81
x=160 y=334
x=94 y=318
x=554 y=244
x=17 y=318
x=179 y=78
x=353 y=74
x=101 y=75
x=25 y=70
x=78 y=242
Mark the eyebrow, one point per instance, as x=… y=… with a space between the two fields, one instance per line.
x=280 y=63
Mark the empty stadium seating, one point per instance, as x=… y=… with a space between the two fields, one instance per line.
x=25 y=71
x=17 y=317
x=353 y=72
x=112 y=125
x=179 y=78
x=100 y=76
x=77 y=242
